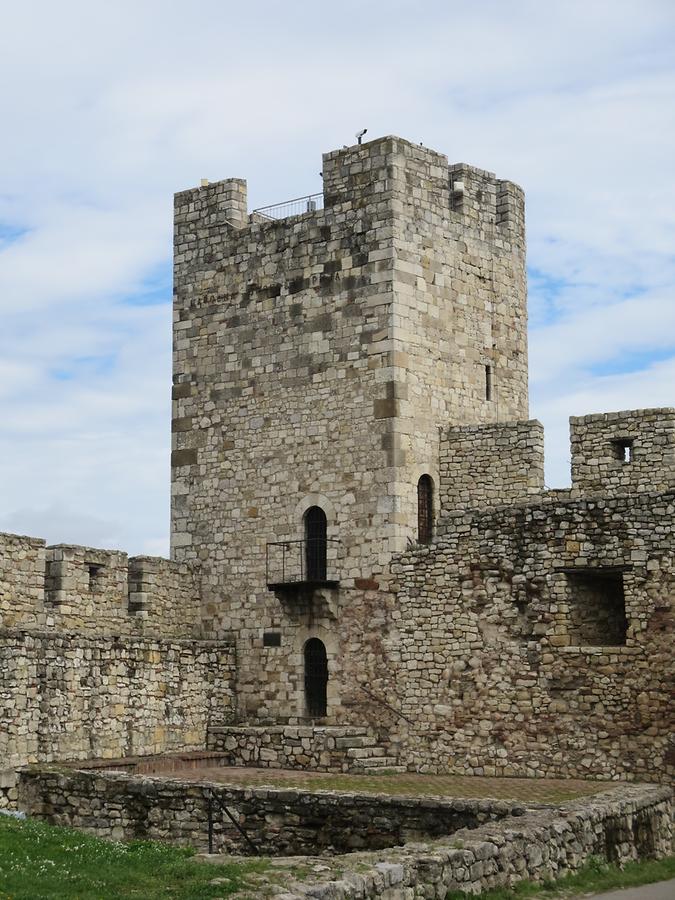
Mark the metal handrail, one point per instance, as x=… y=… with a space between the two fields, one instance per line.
x=295 y=207
x=294 y=568
x=211 y=799
x=382 y=702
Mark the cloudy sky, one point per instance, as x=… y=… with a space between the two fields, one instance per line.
x=107 y=108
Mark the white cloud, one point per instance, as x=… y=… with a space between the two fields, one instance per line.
x=115 y=106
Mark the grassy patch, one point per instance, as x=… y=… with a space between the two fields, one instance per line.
x=43 y=862
x=593 y=878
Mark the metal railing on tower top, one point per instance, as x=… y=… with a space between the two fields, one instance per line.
x=296 y=207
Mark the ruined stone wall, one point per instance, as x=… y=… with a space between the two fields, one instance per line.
x=279 y=822
x=314 y=358
x=477 y=844
x=491 y=678
x=621 y=452
x=625 y=824
x=100 y=656
x=491 y=465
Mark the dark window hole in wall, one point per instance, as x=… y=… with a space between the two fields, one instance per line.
x=488 y=382
x=271 y=639
x=94 y=571
x=425 y=509
x=623 y=450
x=597 y=608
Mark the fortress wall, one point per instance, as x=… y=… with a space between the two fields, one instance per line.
x=99 y=656
x=22 y=580
x=491 y=465
x=88 y=590
x=72 y=696
x=537 y=640
x=633 y=450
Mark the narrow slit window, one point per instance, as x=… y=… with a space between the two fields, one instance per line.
x=488 y=382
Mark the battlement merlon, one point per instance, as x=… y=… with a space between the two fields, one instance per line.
x=491 y=465
x=623 y=452
x=416 y=177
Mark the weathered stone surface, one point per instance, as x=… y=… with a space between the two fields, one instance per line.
x=325 y=349
x=331 y=359
x=477 y=844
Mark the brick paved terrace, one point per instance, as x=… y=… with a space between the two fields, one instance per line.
x=210 y=768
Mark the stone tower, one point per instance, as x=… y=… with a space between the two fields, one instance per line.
x=315 y=357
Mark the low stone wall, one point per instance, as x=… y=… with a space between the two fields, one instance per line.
x=280 y=822
x=626 y=823
x=484 y=843
x=322 y=749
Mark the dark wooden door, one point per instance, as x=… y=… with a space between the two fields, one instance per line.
x=316 y=678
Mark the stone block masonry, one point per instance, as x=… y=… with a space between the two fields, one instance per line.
x=466 y=845
x=623 y=452
x=102 y=656
x=488 y=465
x=314 y=359
x=536 y=639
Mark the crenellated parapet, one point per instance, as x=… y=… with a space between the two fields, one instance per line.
x=627 y=452
x=73 y=588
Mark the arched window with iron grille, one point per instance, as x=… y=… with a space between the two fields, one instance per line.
x=425 y=509
x=316 y=528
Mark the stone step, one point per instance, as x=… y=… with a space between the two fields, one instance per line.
x=365 y=752
x=347 y=743
x=379 y=762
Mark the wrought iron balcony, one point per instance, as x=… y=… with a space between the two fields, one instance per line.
x=311 y=563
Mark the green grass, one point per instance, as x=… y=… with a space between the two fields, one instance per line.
x=43 y=862
x=594 y=878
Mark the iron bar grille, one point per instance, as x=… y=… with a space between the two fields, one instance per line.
x=296 y=207
x=312 y=561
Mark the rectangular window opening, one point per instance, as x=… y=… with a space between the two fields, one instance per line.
x=271 y=639
x=597 y=608
x=623 y=449
x=94 y=574
x=488 y=382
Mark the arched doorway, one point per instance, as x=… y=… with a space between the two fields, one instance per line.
x=315 y=544
x=316 y=678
